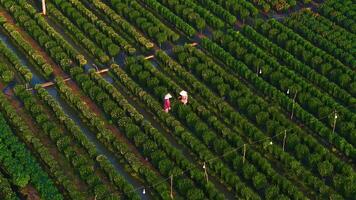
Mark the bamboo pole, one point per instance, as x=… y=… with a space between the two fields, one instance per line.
x=44 y=7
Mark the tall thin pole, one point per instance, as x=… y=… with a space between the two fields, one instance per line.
x=335 y=118
x=244 y=157
x=44 y=7
x=171 y=186
x=295 y=95
x=284 y=138
x=205 y=172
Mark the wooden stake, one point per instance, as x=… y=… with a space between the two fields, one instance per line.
x=44 y=7
x=295 y=95
x=244 y=157
x=284 y=138
x=171 y=186
x=335 y=118
x=206 y=173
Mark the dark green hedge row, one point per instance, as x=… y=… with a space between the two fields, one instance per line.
x=218 y=10
x=331 y=39
x=19 y=162
x=145 y=20
x=224 y=109
x=314 y=57
x=123 y=25
x=254 y=172
x=309 y=97
x=170 y=17
x=29 y=12
x=80 y=162
x=241 y=8
x=54 y=49
x=79 y=36
x=106 y=137
x=234 y=134
x=103 y=27
x=340 y=12
x=266 y=117
x=170 y=160
x=73 y=13
x=282 y=98
x=191 y=140
x=187 y=13
x=90 y=148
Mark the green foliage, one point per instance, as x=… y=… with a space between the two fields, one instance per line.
x=5 y=74
x=17 y=160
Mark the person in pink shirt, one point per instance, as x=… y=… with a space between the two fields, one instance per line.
x=183 y=98
x=167 y=103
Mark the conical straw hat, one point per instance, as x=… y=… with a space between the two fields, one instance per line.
x=183 y=93
x=168 y=96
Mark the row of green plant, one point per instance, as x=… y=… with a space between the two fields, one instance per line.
x=23 y=8
x=19 y=163
x=102 y=134
x=318 y=40
x=278 y=53
x=238 y=128
x=327 y=29
x=67 y=67
x=6 y=192
x=241 y=8
x=54 y=48
x=221 y=108
x=145 y=20
x=90 y=148
x=284 y=100
x=256 y=173
x=187 y=13
x=255 y=109
x=277 y=5
x=339 y=12
x=171 y=161
x=107 y=137
x=309 y=97
x=193 y=138
x=170 y=17
x=219 y=11
x=146 y=173
x=314 y=57
x=74 y=13
x=103 y=26
x=34 y=55
x=64 y=144
x=122 y=25
x=77 y=34
x=16 y=63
